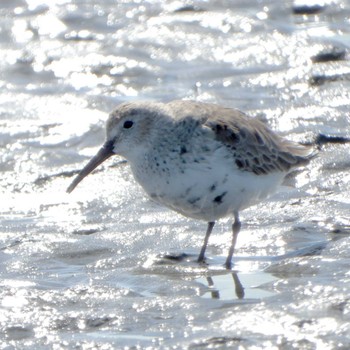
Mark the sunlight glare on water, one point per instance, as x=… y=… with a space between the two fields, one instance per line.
x=105 y=267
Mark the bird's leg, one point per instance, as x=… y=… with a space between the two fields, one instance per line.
x=235 y=230
x=205 y=243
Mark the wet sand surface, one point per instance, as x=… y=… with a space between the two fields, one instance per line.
x=107 y=268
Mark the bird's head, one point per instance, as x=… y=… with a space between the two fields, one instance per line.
x=128 y=130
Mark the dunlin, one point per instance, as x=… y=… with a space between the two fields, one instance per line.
x=202 y=160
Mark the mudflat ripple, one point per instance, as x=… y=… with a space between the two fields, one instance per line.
x=107 y=268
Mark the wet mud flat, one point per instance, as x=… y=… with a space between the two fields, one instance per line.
x=106 y=267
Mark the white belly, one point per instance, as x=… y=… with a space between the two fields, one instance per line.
x=207 y=190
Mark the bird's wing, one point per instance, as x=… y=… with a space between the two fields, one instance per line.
x=254 y=146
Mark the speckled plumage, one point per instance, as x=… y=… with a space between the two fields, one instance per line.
x=201 y=160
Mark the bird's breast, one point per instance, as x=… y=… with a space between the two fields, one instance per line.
x=207 y=187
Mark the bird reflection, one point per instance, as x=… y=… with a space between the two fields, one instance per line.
x=214 y=288
x=239 y=289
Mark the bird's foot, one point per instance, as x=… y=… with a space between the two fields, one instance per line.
x=176 y=257
x=202 y=261
x=228 y=264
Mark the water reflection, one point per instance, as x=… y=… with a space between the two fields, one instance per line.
x=251 y=283
x=238 y=286
x=239 y=289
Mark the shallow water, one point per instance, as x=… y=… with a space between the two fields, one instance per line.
x=88 y=270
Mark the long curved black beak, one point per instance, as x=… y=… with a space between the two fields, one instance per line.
x=104 y=153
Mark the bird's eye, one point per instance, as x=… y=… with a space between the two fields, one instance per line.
x=128 y=124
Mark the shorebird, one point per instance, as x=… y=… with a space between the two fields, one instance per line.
x=201 y=160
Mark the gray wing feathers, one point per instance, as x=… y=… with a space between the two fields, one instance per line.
x=255 y=147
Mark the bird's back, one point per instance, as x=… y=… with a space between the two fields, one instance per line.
x=255 y=147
